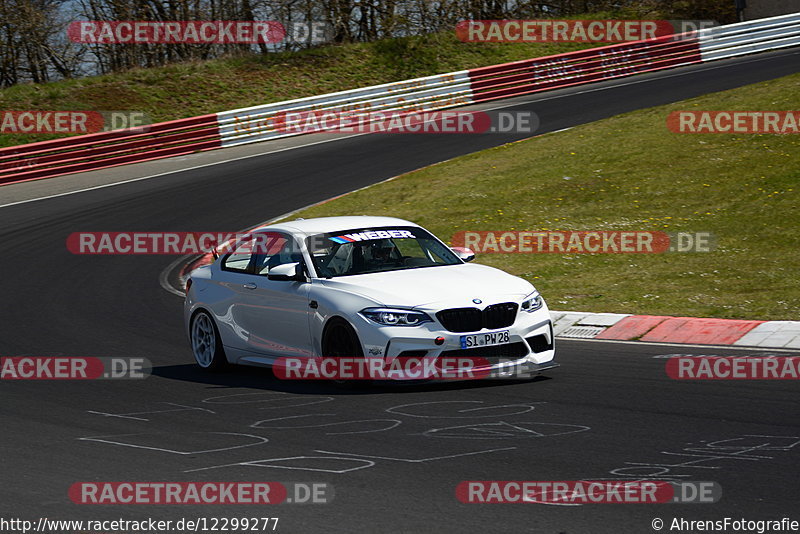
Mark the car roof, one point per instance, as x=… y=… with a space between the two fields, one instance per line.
x=321 y=225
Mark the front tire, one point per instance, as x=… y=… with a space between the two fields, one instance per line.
x=206 y=343
x=340 y=340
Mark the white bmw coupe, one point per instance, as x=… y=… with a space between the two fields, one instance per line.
x=360 y=287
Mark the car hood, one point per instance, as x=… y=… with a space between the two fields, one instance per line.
x=448 y=285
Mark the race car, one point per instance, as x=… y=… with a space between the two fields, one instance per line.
x=360 y=287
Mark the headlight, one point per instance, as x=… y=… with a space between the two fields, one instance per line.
x=532 y=302
x=395 y=317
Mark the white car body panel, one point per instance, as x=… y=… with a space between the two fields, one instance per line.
x=287 y=318
x=452 y=285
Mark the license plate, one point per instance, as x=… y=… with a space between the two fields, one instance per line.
x=484 y=340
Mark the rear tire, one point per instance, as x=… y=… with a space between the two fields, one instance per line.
x=206 y=343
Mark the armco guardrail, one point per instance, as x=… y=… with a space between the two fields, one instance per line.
x=750 y=37
x=260 y=123
x=108 y=149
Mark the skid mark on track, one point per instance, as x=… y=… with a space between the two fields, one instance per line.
x=131 y=415
x=417 y=409
x=259 y=440
x=409 y=429
x=283 y=463
x=383 y=424
x=419 y=460
x=505 y=430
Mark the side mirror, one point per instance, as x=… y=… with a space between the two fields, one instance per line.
x=464 y=254
x=287 y=272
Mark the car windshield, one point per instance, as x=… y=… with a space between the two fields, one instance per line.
x=374 y=250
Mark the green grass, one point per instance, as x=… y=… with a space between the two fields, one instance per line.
x=190 y=89
x=629 y=173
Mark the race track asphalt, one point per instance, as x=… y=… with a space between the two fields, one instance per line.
x=393 y=455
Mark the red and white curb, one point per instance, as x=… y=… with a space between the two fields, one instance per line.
x=666 y=329
x=654 y=328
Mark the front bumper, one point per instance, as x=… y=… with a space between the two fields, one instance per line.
x=529 y=351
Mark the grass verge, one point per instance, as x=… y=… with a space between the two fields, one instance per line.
x=629 y=173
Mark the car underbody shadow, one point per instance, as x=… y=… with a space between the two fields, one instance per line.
x=263 y=378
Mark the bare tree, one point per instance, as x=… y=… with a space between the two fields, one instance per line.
x=34 y=46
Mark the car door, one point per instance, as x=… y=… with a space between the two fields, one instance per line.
x=275 y=313
x=231 y=302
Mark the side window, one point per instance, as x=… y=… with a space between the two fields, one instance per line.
x=409 y=247
x=420 y=251
x=273 y=249
x=436 y=252
x=239 y=259
x=262 y=251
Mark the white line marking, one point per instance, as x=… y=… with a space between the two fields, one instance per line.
x=168 y=172
x=163 y=276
